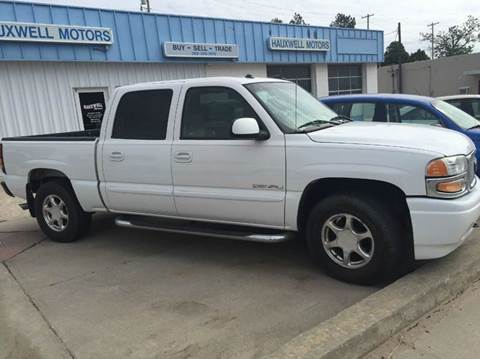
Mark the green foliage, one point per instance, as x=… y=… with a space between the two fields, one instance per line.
x=395 y=53
x=343 y=20
x=298 y=19
x=276 y=20
x=457 y=40
x=418 y=55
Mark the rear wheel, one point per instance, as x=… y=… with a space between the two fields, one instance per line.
x=59 y=214
x=356 y=238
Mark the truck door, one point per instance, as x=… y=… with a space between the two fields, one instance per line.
x=218 y=176
x=136 y=153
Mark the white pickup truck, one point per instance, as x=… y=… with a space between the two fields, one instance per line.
x=258 y=160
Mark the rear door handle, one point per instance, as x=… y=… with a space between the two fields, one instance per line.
x=183 y=157
x=117 y=156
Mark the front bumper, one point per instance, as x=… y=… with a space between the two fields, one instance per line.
x=441 y=225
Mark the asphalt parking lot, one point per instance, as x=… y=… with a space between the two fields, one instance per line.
x=121 y=293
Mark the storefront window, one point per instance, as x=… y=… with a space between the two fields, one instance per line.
x=300 y=74
x=344 y=79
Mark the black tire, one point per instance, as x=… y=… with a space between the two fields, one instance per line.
x=77 y=222
x=389 y=247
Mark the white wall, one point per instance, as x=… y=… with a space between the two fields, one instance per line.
x=320 y=80
x=370 y=78
x=236 y=70
x=38 y=97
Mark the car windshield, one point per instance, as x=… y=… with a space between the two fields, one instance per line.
x=290 y=106
x=462 y=119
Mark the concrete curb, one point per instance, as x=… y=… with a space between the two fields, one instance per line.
x=360 y=328
x=24 y=333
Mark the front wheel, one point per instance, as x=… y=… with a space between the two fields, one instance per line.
x=356 y=238
x=59 y=214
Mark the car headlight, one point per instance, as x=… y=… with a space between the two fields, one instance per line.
x=447 y=177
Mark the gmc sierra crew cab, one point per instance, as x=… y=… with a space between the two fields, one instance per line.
x=258 y=160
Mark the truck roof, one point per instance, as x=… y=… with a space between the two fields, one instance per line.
x=203 y=81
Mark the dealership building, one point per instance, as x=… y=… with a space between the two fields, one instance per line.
x=60 y=64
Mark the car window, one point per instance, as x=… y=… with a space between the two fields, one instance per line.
x=209 y=113
x=413 y=114
x=143 y=115
x=362 y=112
x=342 y=109
x=461 y=118
x=470 y=106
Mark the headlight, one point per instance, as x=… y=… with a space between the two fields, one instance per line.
x=447 y=166
x=447 y=177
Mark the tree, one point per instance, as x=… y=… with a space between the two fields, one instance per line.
x=394 y=53
x=418 y=55
x=298 y=19
x=457 y=40
x=343 y=20
x=276 y=20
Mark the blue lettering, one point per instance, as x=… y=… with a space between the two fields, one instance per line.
x=98 y=35
x=32 y=30
x=74 y=34
x=90 y=35
x=64 y=34
x=47 y=34
x=106 y=36
x=21 y=31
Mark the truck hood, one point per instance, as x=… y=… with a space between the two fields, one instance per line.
x=419 y=137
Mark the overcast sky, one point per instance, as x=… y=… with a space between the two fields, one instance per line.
x=413 y=14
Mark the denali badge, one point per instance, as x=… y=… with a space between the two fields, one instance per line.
x=267 y=186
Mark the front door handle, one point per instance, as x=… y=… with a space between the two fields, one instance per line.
x=183 y=157
x=117 y=156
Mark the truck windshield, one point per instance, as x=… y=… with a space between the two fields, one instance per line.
x=290 y=106
x=462 y=119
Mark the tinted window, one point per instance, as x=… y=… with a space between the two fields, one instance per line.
x=414 y=114
x=470 y=106
x=462 y=119
x=344 y=79
x=362 y=112
x=209 y=113
x=143 y=115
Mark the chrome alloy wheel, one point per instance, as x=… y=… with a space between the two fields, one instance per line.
x=348 y=241
x=55 y=213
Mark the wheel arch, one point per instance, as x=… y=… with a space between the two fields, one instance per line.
x=319 y=189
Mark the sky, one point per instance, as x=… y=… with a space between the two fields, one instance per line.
x=413 y=14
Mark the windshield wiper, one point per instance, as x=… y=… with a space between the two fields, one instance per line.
x=340 y=119
x=319 y=123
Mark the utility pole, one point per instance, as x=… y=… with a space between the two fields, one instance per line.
x=432 y=25
x=145 y=5
x=368 y=16
x=400 y=89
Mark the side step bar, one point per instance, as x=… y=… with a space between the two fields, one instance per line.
x=201 y=229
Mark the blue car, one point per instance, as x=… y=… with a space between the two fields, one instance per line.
x=406 y=109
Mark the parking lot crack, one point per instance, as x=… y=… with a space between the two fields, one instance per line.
x=32 y=301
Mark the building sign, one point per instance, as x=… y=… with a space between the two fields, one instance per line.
x=17 y=31
x=295 y=44
x=190 y=49
x=92 y=106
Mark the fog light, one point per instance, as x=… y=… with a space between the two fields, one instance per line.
x=452 y=187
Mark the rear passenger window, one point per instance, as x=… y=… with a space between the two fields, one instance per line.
x=362 y=112
x=209 y=113
x=143 y=115
x=414 y=114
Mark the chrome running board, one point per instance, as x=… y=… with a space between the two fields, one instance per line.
x=205 y=229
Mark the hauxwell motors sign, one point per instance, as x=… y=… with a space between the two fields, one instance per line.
x=33 y=32
x=298 y=44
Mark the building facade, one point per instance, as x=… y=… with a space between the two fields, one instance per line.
x=60 y=64
x=439 y=77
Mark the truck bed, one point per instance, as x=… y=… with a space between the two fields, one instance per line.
x=87 y=135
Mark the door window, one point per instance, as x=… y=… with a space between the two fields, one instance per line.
x=209 y=113
x=362 y=112
x=143 y=115
x=412 y=114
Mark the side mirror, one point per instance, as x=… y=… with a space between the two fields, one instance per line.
x=247 y=127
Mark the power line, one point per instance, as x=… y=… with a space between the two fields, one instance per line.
x=368 y=16
x=432 y=25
